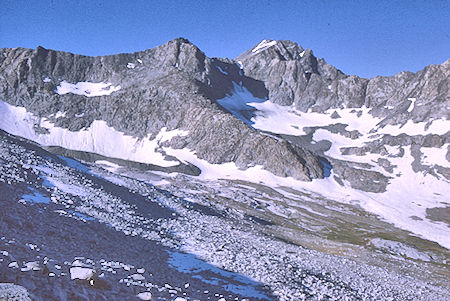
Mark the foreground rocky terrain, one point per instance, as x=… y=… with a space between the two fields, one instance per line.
x=73 y=231
x=271 y=176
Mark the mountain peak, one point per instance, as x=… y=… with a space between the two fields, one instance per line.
x=281 y=49
x=181 y=40
x=264 y=44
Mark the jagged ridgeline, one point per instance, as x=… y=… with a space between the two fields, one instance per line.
x=167 y=88
x=164 y=106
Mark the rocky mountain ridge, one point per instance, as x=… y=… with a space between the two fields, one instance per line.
x=172 y=86
x=176 y=87
x=197 y=161
x=294 y=76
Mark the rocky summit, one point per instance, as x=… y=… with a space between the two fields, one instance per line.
x=173 y=86
x=168 y=175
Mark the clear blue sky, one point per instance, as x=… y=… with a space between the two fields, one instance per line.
x=365 y=38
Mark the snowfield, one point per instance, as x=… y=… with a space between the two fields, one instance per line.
x=98 y=138
x=409 y=193
x=87 y=89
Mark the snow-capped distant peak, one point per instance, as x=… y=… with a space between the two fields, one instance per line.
x=263 y=45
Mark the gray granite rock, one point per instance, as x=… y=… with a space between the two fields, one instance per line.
x=174 y=86
x=295 y=76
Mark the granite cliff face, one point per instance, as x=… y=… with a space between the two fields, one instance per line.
x=294 y=76
x=173 y=86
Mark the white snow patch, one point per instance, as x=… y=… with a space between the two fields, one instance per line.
x=87 y=89
x=302 y=53
x=435 y=156
x=98 y=138
x=411 y=106
x=139 y=61
x=393 y=150
x=287 y=120
x=263 y=45
x=423 y=191
x=131 y=65
x=81 y=273
x=60 y=114
x=32 y=246
x=165 y=135
x=46 y=80
x=108 y=165
x=411 y=128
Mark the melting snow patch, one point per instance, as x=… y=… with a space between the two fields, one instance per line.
x=98 y=138
x=435 y=156
x=288 y=120
x=411 y=106
x=411 y=128
x=425 y=192
x=87 y=89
